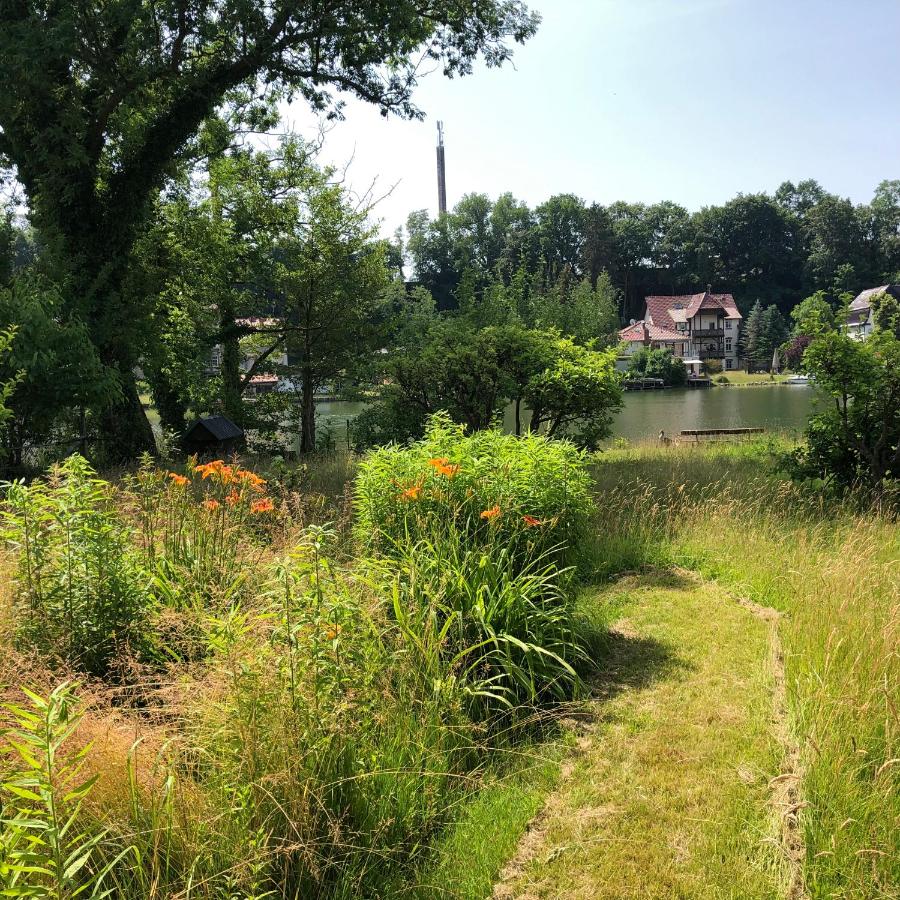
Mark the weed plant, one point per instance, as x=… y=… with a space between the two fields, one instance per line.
x=81 y=593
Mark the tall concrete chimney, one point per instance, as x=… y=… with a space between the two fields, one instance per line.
x=441 y=170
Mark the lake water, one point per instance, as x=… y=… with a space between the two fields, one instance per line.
x=778 y=407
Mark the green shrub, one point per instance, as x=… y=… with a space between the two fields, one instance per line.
x=647 y=363
x=81 y=591
x=529 y=494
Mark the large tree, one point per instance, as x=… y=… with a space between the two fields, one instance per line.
x=99 y=98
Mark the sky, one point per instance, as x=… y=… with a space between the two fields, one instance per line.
x=646 y=100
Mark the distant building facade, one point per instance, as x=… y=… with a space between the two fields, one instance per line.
x=694 y=327
x=859 y=316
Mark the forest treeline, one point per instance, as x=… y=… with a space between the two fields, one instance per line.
x=776 y=248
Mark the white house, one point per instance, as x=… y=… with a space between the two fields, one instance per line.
x=859 y=316
x=695 y=327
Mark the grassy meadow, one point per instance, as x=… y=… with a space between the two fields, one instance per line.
x=833 y=569
x=362 y=678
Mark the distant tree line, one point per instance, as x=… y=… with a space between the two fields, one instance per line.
x=775 y=248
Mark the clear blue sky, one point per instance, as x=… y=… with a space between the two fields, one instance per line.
x=647 y=100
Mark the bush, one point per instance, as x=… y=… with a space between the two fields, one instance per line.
x=854 y=441
x=662 y=364
x=527 y=494
x=81 y=589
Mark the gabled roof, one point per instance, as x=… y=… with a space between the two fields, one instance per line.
x=666 y=310
x=221 y=428
x=864 y=298
x=646 y=332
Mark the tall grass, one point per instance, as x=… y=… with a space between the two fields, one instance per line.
x=833 y=569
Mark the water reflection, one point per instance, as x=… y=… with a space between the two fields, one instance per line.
x=646 y=413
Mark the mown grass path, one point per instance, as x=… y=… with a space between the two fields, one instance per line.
x=670 y=794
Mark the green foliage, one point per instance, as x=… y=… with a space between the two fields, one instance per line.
x=647 y=363
x=483 y=623
x=474 y=528
x=473 y=374
x=857 y=439
x=813 y=316
x=527 y=494
x=81 y=593
x=763 y=333
x=42 y=851
x=886 y=313
x=50 y=369
x=577 y=394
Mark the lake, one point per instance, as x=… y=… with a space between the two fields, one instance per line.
x=779 y=407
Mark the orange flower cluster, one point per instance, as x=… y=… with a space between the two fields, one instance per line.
x=444 y=467
x=532 y=522
x=413 y=492
x=211 y=504
x=251 y=479
x=179 y=480
x=491 y=514
x=216 y=469
x=233 y=498
x=262 y=506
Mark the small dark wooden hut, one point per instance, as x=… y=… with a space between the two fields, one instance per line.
x=213 y=436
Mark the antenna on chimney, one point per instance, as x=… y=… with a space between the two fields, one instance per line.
x=441 y=170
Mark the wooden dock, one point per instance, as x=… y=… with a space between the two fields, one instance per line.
x=643 y=384
x=719 y=434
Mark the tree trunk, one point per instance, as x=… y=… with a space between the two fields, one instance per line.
x=307 y=414
x=518 y=416
x=125 y=431
x=169 y=405
x=232 y=401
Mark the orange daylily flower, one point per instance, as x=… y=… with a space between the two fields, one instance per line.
x=532 y=522
x=333 y=632
x=413 y=492
x=491 y=514
x=211 y=504
x=178 y=480
x=262 y=506
x=233 y=498
x=438 y=461
x=251 y=478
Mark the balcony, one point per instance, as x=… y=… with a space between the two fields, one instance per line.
x=711 y=354
x=699 y=334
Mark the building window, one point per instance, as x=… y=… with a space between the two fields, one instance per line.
x=728 y=324
x=728 y=363
x=728 y=345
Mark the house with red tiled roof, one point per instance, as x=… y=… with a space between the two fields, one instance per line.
x=696 y=327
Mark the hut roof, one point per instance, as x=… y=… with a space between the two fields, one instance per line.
x=221 y=428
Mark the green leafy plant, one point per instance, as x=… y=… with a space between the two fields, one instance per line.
x=481 y=622
x=81 y=590
x=528 y=494
x=43 y=851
